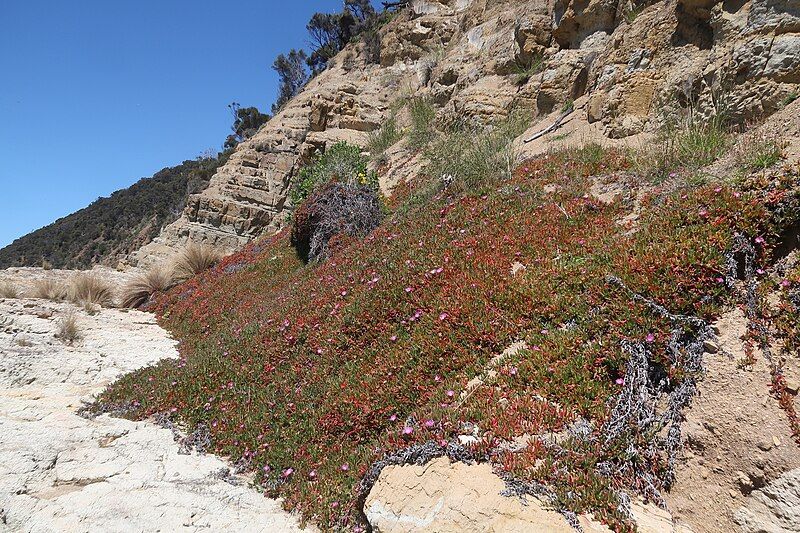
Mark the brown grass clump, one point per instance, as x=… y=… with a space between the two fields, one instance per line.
x=49 y=289
x=195 y=258
x=139 y=290
x=9 y=290
x=90 y=289
x=68 y=329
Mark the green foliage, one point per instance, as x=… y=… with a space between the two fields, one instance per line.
x=292 y=74
x=341 y=163
x=684 y=145
x=423 y=120
x=631 y=11
x=246 y=122
x=383 y=138
x=757 y=153
x=330 y=32
x=523 y=72
x=469 y=158
x=113 y=227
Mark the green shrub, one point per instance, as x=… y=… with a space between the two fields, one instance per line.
x=342 y=163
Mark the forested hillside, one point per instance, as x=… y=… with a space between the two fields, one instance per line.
x=110 y=228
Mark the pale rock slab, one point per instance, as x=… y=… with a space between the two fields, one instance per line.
x=62 y=472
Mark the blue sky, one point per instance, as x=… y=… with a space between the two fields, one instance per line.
x=95 y=94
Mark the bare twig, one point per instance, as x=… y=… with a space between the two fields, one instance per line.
x=554 y=126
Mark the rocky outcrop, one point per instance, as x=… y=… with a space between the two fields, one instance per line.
x=455 y=497
x=478 y=59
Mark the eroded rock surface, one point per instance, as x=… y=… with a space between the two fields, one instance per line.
x=62 y=472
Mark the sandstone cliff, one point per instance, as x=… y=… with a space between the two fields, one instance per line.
x=629 y=66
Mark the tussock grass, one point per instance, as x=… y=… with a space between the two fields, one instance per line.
x=90 y=289
x=688 y=145
x=523 y=72
x=9 y=290
x=423 y=119
x=139 y=290
x=383 y=138
x=469 y=156
x=757 y=153
x=49 y=289
x=68 y=329
x=193 y=259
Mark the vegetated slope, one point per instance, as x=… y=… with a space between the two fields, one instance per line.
x=111 y=228
x=310 y=374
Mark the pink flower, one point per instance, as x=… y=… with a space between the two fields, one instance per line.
x=393 y=338
x=619 y=381
x=450 y=393
x=345 y=467
x=429 y=423
x=334 y=504
x=443 y=316
x=785 y=283
x=512 y=371
x=267 y=469
x=720 y=280
x=393 y=418
x=312 y=474
x=344 y=293
x=408 y=289
x=408 y=430
x=703 y=212
x=650 y=337
x=760 y=240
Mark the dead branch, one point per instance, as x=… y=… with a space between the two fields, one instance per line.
x=554 y=126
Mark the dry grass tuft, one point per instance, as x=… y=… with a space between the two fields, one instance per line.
x=90 y=289
x=49 y=289
x=9 y=290
x=139 y=291
x=195 y=258
x=68 y=329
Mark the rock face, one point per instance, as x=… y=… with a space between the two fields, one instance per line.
x=738 y=447
x=455 y=497
x=637 y=69
x=62 y=472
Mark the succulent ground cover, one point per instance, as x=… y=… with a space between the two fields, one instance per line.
x=309 y=374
